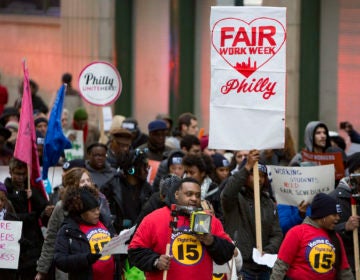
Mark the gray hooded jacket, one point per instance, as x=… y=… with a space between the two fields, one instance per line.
x=309 y=140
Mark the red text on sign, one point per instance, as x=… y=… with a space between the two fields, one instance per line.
x=257 y=36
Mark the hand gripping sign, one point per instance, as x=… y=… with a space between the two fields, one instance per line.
x=248 y=68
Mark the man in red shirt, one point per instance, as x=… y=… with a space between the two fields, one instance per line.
x=313 y=250
x=191 y=255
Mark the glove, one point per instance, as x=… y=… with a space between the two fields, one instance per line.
x=92 y=258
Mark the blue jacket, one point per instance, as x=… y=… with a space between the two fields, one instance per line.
x=289 y=216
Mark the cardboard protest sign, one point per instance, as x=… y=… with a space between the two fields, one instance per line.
x=248 y=82
x=291 y=185
x=77 y=142
x=10 y=232
x=326 y=158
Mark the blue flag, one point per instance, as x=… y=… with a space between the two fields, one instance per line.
x=55 y=140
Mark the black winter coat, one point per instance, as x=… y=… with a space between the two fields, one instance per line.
x=343 y=194
x=71 y=251
x=239 y=216
x=114 y=192
x=32 y=238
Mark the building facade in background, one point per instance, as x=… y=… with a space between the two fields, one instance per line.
x=162 y=51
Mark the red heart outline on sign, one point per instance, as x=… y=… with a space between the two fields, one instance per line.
x=240 y=59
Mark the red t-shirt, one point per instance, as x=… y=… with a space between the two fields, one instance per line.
x=98 y=236
x=310 y=253
x=190 y=260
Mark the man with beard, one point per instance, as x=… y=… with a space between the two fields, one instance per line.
x=192 y=254
x=316 y=139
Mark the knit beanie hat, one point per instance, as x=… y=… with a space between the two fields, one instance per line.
x=219 y=160
x=80 y=114
x=88 y=199
x=324 y=205
x=353 y=162
x=175 y=158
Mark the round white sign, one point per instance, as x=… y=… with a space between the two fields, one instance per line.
x=100 y=83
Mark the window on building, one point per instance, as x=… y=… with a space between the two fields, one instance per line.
x=31 y=7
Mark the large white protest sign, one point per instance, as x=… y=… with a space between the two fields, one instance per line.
x=291 y=185
x=248 y=68
x=117 y=244
x=10 y=233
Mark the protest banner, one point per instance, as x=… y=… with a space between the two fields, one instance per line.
x=248 y=78
x=291 y=185
x=326 y=158
x=248 y=83
x=10 y=232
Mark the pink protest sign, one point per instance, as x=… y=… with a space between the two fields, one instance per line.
x=10 y=234
x=248 y=78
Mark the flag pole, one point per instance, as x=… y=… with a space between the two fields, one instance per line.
x=257 y=206
x=28 y=177
x=101 y=125
x=355 y=238
x=28 y=187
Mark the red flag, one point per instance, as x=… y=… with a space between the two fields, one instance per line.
x=25 y=147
